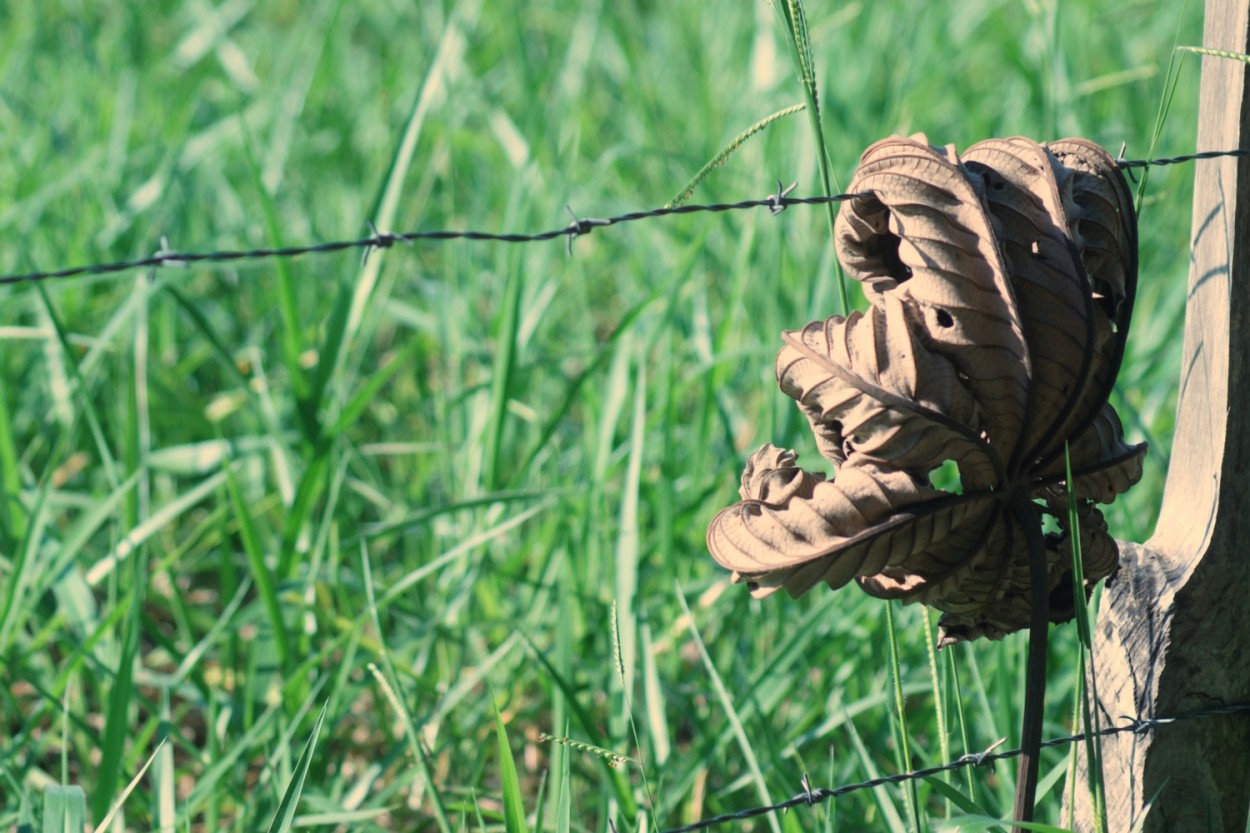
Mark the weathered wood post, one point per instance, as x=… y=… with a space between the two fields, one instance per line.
x=1174 y=629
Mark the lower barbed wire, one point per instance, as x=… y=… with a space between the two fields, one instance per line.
x=812 y=796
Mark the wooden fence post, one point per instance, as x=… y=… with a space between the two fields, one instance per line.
x=1174 y=628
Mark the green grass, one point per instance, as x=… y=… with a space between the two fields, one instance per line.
x=197 y=464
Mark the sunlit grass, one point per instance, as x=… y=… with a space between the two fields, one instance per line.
x=199 y=464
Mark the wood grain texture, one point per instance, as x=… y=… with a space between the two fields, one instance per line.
x=1174 y=629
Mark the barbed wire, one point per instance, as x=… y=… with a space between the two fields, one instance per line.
x=776 y=203
x=384 y=240
x=809 y=796
x=1126 y=164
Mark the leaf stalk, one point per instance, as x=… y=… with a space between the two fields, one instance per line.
x=1035 y=673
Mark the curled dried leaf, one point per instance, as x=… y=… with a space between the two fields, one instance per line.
x=1001 y=286
x=869 y=386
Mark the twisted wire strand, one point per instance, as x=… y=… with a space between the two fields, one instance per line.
x=776 y=203
x=384 y=240
x=1126 y=164
x=810 y=797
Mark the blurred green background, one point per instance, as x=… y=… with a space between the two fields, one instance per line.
x=237 y=494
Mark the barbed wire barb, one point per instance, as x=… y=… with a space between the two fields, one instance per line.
x=779 y=199
x=381 y=240
x=775 y=203
x=580 y=226
x=1120 y=160
x=164 y=253
x=982 y=758
x=809 y=795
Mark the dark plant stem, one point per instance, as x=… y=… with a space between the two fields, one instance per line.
x=1035 y=675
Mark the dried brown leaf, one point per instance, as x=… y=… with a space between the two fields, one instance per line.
x=1001 y=287
x=869 y=386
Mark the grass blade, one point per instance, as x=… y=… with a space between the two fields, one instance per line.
x=795 y=19
x=387 y=202
x=731 y=712
x=564 y=789
x=889 y=814
x=107 y=821
x=295 y=786
x=12 y=518
x=510 y=784
x=502 y=378
x=910 y=793
x=939 y=706
x=1088 y=695
x=262 y=577
x=290 y=341
x=151 y=525
x=721 y=158
x=367 y=392
x=64 y=809
x=24 y=571
x=117 y=721
x=954 y=796
x=1165 y=104
x=389 y=691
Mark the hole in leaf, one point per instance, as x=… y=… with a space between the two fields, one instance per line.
x=946 y=477
x=891 y=260
x=1062 y=601
x=944 y=319
x=1050 y=524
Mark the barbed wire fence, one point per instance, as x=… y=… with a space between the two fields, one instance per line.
x=776 y=203
x=580 y=226
x=812 y=796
